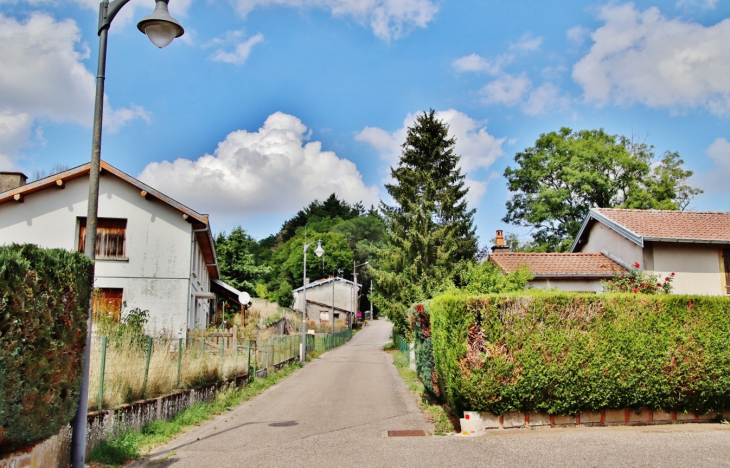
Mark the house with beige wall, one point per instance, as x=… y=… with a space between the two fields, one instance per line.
x=152 y=252
x=320 y=295
x=693 y=244
x=576 y=272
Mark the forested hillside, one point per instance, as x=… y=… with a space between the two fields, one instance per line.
x=271 y=267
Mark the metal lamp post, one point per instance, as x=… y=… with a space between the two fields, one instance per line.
x=161 y=28
x=319 y=251
x=339 y=273
x=354 y=289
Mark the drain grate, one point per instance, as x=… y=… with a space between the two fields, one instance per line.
x=407 y=433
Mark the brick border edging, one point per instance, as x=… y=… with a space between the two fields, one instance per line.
x=475 y=422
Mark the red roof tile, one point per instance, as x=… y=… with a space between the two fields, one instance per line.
x=557 y=264
x=666 y=224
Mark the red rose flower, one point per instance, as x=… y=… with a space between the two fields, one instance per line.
x=637 y=264
x=666 y=279
x=643 y=285
x=672 y=273
x=659 y=284
x=636 y=290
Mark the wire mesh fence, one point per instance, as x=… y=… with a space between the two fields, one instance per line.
x=127 y=369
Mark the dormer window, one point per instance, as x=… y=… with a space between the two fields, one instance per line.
x=111 y=238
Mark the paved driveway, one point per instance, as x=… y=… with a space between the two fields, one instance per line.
x=335 y=411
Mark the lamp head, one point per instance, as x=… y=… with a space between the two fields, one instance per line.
x=319 y=251
x=160 y=27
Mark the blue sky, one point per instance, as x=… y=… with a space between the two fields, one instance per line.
x=264 y=105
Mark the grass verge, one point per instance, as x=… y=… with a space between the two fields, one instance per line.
x=132 y=444
x=443 y=420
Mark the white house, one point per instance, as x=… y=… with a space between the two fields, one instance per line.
x=320 y=296
x=152 y=252
x=693 y=244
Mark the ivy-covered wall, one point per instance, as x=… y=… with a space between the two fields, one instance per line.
x=563 y=353
x=44 y=300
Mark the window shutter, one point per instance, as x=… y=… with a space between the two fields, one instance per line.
x=111 y=238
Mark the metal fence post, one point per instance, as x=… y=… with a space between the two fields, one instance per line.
x=147 y=365
x=223 y=350
x=179 y=360
x=101 y=374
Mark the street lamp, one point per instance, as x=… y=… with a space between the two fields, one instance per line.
x=354 y=292
x=319 y=251
x=161 y=28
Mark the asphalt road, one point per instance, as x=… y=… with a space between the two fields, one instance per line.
x=336 y=410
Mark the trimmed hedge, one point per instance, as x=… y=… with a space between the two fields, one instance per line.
x=563 y=353
x=44 y=300
x=420 y=322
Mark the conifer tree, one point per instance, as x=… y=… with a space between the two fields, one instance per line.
x=430 y=230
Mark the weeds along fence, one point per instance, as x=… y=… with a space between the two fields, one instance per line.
x=126 y=369
x=404 y=347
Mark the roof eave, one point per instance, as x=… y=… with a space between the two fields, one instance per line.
x=594 y=215
x=687 y=241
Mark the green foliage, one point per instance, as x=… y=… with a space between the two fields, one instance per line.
x=564 y=353
x=487 y=278
x=327 y=213
x=284 y=296
x=290 y=259
x=44 y=301
x=638 y=282
x=261 y=290
x=429 y=230
x=567 y=173
x=236 y=254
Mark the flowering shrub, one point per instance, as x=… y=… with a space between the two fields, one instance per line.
x=637 y=281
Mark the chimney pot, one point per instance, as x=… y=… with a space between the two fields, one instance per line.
x=12 y=180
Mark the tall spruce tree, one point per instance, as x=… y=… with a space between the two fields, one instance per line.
x=430 y=230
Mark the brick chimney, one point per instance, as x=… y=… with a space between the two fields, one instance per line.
x=499 y=242
x=11 y=180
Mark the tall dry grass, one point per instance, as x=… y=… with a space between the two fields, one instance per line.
x=199 y=364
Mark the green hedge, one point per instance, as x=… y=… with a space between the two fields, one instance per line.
x=44 y=300
x=420 y=322
x=563 y=353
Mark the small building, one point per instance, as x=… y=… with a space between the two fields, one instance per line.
x=693 y=244
x=152 y=252
x=319 y=300
x=578 y=272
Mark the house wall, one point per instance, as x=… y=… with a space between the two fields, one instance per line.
x=698 y=267
x=155 y=276
x=344 y=298
x=573 y=285
x=602 y=239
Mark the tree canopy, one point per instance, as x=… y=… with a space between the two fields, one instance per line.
x=557 y=181
x=429 y=229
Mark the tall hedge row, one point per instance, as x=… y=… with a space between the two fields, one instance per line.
x=44 y=299
x=563 y=353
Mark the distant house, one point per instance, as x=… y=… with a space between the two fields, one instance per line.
x=693 y=244
x=319 y=300
x=579 y=272
x=152 y=252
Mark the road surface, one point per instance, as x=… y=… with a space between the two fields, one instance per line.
x=335 y=412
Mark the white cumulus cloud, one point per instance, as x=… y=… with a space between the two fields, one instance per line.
x=272 y=170
x=42 y=77
x=389 y=19
x=477 y=64
x=645 y=57
x=527 y=43
x=508 y=90
x=476 y=146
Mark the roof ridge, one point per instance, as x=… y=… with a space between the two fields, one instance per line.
x=652 y=210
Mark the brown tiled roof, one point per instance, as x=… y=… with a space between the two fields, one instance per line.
x=557 y=264
x=666 y=224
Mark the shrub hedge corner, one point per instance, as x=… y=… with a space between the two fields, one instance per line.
x=564 y=353
x=44 y=300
